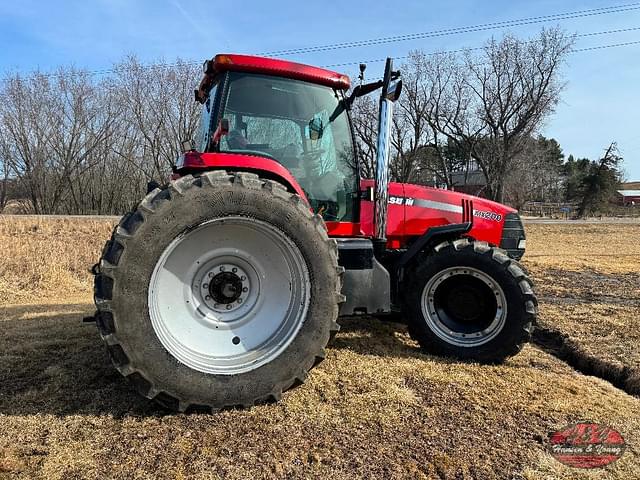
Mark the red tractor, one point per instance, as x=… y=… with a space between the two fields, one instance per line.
x=223 y=287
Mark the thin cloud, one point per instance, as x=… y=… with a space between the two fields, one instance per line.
x=187 y=16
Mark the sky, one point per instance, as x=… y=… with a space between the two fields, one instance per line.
x=600 y=104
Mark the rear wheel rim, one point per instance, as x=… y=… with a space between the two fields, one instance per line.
x=229 y=296
x=464 y=306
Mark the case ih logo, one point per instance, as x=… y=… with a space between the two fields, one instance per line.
x=401 y=201
x=586 y=445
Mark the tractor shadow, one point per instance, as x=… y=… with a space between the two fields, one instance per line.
x=385 y=336
x=53 y=363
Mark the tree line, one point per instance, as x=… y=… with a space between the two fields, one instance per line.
x=73 y=143
x=479 y=113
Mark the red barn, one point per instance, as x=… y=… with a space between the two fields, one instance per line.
x=628 y=197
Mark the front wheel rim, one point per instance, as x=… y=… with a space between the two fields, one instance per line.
x=229 y=296
x=447 y=316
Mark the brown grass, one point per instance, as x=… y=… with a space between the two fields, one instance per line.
x=376 y=408
x=45 y=258
x=588 y=278
x=608 y=248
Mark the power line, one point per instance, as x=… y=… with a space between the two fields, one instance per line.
x=458 y=30
x=404 y=57
x=607 y=32
x=600 y=47
x=459 y=50
x=591 y=12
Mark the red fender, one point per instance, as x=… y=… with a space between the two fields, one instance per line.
x=264 y=167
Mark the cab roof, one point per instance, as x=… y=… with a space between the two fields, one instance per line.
x=269 y=66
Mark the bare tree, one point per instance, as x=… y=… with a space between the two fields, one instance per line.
x=160 y=110
x=80 y=144
x=26 y=134
x=536 y=173
x=491 y=103
x=53 y=126
x=483 y=107
x=411 y=132
x=5 y=170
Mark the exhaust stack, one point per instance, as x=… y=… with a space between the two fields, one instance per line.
x=390 y=93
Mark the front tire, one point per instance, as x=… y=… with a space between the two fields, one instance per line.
x=218 y=291
x=470 y=301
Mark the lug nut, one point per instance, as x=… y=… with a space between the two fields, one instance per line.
x=239 y=300
x=245 y=289
x=243 y=278
x=207 y=297
x=206 y=285
x=210 y=274
x=222 y=268
x=228 y=307
x=215 y=305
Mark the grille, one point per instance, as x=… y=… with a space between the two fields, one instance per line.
x=512 y=234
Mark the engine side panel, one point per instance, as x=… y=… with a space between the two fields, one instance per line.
x=396 y=214
x=414 y=208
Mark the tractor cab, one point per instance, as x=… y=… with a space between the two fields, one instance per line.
x=258 y=108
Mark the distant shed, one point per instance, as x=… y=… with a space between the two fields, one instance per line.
x=629 y=197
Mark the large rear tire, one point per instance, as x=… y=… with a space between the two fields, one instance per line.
x=218 y=291
x=470 y=301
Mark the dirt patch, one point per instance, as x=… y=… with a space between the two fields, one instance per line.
x=587 y=285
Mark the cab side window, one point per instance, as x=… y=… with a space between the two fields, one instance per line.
x=204 y=129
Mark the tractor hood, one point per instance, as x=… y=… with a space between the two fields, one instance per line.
x=413 y=209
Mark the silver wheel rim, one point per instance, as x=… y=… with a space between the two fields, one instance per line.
x=436 y=316
x=229 y=295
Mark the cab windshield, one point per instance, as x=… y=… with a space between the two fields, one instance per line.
x=303 y=127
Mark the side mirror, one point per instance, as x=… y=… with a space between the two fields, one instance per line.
x=394 y=91
x=221 y=131
x=187 y=146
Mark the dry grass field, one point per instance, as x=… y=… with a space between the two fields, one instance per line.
x=376 y=408
x=588 y=278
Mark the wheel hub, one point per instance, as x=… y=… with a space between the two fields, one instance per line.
x=464 y=306
x=225 y=287
x=229 y=295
